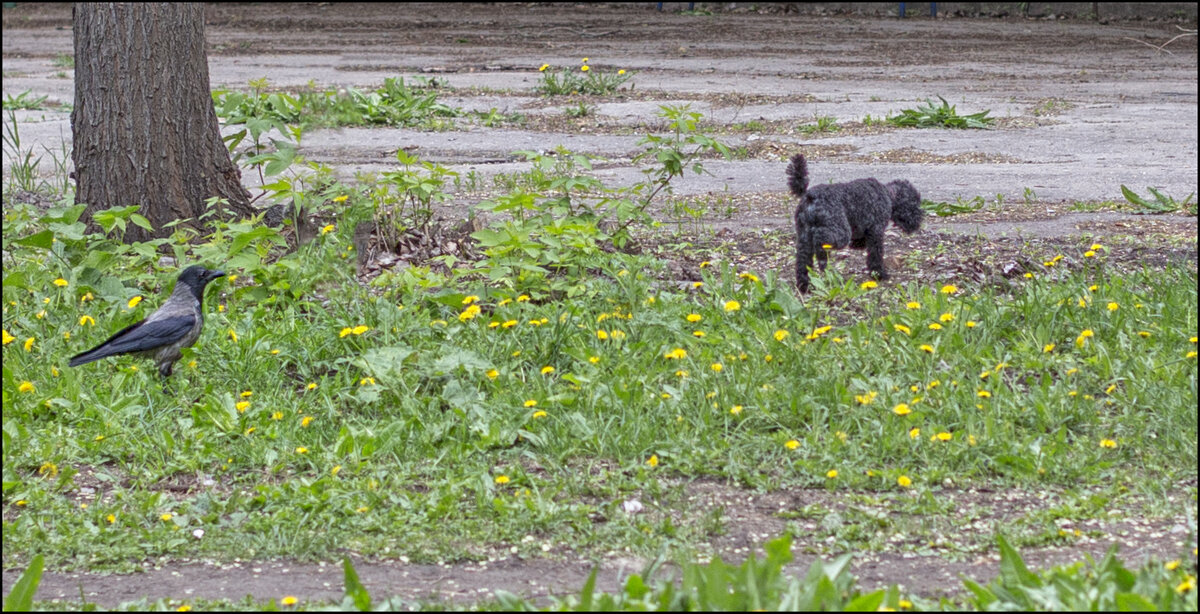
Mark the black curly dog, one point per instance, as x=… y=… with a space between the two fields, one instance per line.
x=854 y=213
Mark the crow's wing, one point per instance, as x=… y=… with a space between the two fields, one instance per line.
x=139 y=337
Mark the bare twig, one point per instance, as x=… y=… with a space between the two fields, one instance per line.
x=1162 y=48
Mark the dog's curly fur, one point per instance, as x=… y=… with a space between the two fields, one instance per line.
x=854 y=213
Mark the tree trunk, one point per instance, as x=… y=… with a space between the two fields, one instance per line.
x=145 y=131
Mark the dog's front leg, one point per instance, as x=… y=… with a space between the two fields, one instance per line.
x=875 y=255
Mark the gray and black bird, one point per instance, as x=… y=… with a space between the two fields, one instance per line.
x=162 y=335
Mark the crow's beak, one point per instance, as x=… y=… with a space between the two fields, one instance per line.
x=215 y=274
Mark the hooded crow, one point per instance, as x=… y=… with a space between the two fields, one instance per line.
x=165 y=332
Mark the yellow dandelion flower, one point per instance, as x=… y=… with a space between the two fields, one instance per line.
x=307 y=420
x=621 y=72
x=748 y=276
x=8 y=338
x=539 y=414
x=233 y=335
x=467 y=300
x=111 y=518
x=653 y=460
x=61 y=283
x=508 y=324
x=944 y=436
x=26 y=386
x=831 y=474
x=502 y=479
x=972 y=324
x=524 y=298
x=869 y=284
x=1113 y=306
x=716 y=366
x=531 y=403
x=1089 y=254
x=601 y=335
x=87 y=297
x=914 y=433
x=301 y=450
x=946 y=317
x=327 y=229
x=1107 y=443
x=1096 y=246
x=29 y=344
x=735 y=410
x=781 y=334
x=469 y=313
x=900 y=328
x=1171 y=565
x=133 y=302
x=912 y=305
x=288 y=600
x=1143 y=334
x=547 y=370
x=732 y=306
x=676 y=354
x=166 y=517
x=617 y=335
x=925 y=347
x=492 y=374
x=1049 y=347
x=935 y=326
x=792 y=444
x=865 y=399
x=366 y=381
x=583 y=68
x=697 y=284
x=277 y=415
x=698 y=333
x=311 y=386
x=949 y=289
x=904 y=481
x=358 y=330
x=593 y=359
x=241 y=406
x=694 y=317
x=901 y=410
x=983 y=394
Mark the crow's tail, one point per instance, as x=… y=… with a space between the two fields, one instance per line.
x=797 y=174
x=91 y=355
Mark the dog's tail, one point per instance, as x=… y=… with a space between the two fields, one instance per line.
x=797 y=174
x=906 y=206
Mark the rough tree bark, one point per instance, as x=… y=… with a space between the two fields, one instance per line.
x=144 y=128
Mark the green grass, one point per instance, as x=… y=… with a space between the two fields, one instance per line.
x=24 y=101
x=824 y=123
x=446 y=410
x=396 y=103
x=582 y=80
x=414 y=420
x=930 y=115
